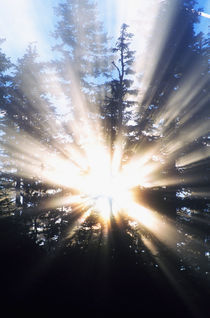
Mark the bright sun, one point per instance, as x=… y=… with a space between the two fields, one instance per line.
x=102 y=181
x=104 y=186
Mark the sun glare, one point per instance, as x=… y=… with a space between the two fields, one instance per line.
x=79 y=159
x=106 y=186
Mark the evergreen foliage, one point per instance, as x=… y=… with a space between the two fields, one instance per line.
x=39 y=222
x=82 y=47
x=116 y=110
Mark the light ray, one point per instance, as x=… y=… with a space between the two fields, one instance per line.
x=193 y=157
x=79 y=158
x=158 y=226
x=205 y=15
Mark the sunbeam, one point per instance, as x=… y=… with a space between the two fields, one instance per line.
x=84 y=162
x=105 y=147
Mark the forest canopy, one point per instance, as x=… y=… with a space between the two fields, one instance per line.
x=108 y=138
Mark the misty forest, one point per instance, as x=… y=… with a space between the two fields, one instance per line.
x=105 y=167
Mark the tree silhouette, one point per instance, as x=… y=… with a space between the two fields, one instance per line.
x=6 y=181
x=28 y=112
x=82 y=49
x=166 y=112
x=117 y=104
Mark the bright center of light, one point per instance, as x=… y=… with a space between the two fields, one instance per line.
x=104 y=190
x=103 y=186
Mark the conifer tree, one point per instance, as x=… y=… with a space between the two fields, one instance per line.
x=82 y=48
x=164 y=111
x=5 y=178
x=118 y=102
x=32 y=116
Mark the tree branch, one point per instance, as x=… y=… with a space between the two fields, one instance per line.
x=117 y=69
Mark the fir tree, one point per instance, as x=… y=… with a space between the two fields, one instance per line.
x=82 y=48
x=117 y=104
